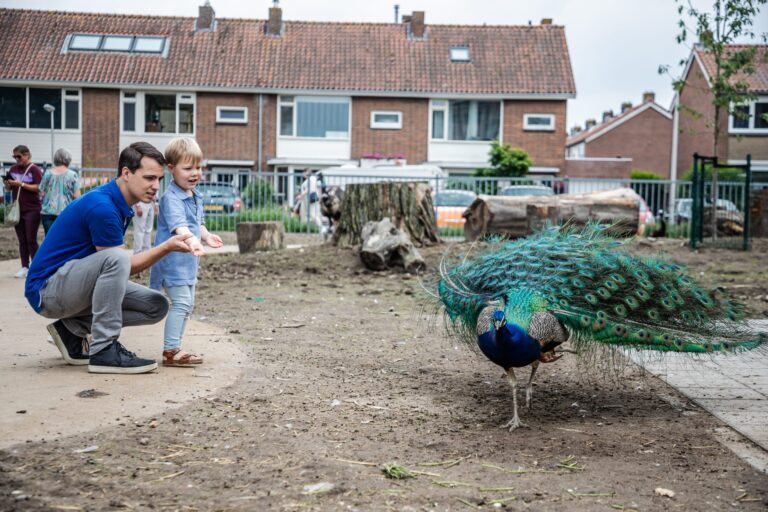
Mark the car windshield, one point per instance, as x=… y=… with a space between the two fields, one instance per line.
x=454 y=199
x=526 y=191
x=215 y=191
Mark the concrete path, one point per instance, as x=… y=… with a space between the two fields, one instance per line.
x=41 y=397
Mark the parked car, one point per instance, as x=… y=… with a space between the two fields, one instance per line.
x=450 y=205
x=220 y=198
x=526 y=190
x=683 y=209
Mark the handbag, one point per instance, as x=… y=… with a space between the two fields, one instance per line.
x=13 y=212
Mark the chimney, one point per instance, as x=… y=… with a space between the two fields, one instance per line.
x=416 y=27
x=275 y=22
x=649 y=96
x=206 y=18
x=626 y=106
x=546 y=21
x=397 y=12
x=589 y=124
x=607 y=115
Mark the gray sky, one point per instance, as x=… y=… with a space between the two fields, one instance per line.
x=616 y=46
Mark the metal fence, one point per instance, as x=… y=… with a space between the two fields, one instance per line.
x=277 y=196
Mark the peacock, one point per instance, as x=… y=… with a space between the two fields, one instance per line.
x=520 y=300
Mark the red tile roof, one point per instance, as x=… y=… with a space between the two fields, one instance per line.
x=365 y=57
x=584 y=135
x=757 y=81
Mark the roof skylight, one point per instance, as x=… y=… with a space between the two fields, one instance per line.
x=116 y=43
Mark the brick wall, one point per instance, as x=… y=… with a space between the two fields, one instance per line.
x=411 y=140
x=269 y=133
x=696 y=122
x=755 y=145
x=608 y=168
x=101 y=128
x=223 y=141
x=645 y=138
x=546 y=149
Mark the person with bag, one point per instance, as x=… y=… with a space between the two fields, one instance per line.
x=60 y=186
x=23 y=180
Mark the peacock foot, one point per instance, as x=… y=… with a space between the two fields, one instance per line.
x=514 y=424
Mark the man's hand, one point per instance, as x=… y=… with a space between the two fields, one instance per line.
x=213 y=240
x=177 y=243
x=195 y=246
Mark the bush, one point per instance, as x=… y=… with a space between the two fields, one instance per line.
x=724 y=174
x=259 y=192
x=638 y=174
x=291 y=223
x=506 y=161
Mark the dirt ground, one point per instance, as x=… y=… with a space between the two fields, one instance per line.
x=349 y=372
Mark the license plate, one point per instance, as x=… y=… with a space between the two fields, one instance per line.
x=214 y=207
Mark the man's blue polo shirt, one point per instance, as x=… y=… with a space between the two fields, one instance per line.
x=97 y=219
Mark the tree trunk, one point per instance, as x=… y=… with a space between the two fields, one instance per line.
x=260 y=236
x=521 y=216
x=385 y=246
x=407 y=204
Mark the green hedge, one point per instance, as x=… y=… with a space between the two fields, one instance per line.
x=292 y=223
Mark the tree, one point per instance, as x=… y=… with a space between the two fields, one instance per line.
x=729 y=21
x=506 y=161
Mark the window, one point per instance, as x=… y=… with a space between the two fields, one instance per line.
x=13 y=107
x=467 y=120
x=24 y=107
x=751 y=117
x=314 y=116
x=232 y=115
x=115 y=43
x=539 y=122
x=158 y=112
x=460 y=54
x=386 y=120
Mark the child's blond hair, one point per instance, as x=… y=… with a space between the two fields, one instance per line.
x=183 y=149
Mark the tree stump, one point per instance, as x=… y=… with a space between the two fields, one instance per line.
x=407 y=204
x=519 y=216
x=260 y=236
x=385 y=246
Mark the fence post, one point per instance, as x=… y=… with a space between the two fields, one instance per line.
x=747 y=202
x=692 y=227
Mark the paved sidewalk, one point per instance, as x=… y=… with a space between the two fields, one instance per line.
x=41 y=397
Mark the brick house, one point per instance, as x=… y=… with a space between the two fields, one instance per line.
x=639 y=137
x=694 y=115
x=277 y=95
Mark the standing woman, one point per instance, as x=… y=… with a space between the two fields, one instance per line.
x=60 y=186
x=23 y=180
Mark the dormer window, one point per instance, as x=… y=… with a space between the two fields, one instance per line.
x=460 y=54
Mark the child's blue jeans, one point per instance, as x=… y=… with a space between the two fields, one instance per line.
x=182 y=302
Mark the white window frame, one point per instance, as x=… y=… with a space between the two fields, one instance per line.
x=751 y=121
x=63 y=106
x=460 y=54
x=101 y=39
x=386 y=125
x=292 y=101
x=224 y=120
x=444 y=106
x=188 y=98
x=537 y=127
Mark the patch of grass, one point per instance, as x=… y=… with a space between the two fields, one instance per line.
x=396 y=471
x=291 y=223
x=451 y=231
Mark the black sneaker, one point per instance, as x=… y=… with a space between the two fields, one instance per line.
x=117 y=359
x=74 y=349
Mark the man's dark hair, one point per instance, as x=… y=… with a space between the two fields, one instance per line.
x=131 y=156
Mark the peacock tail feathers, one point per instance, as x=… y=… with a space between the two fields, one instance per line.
x=599 y=292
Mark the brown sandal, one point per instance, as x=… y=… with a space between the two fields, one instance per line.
x=180 y=358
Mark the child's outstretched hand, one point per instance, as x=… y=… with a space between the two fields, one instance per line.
x=213 y=240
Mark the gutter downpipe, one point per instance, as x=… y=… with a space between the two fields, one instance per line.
x=673 y=161
x=261 y=118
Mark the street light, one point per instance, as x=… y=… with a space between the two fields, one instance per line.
x=50 y=109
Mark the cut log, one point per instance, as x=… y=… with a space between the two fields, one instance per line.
x=385 y=246
x=407 y=204
x=260 y=236
x=519 y=216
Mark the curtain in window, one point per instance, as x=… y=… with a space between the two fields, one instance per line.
x=321 y=117
x=488 y=120
x=474 y=120
x=458 y=120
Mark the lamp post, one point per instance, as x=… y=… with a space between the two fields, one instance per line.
x=50 y=109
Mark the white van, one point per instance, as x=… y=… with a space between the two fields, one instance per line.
x=343 y=175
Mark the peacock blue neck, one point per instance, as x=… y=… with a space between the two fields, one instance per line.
x=509 y=346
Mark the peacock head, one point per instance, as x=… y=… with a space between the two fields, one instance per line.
x=499 y=318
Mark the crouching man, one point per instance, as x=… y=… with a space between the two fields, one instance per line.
x=80 y=276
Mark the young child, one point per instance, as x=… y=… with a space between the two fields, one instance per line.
x=181 y=212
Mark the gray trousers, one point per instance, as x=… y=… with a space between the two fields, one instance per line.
x=94 y=295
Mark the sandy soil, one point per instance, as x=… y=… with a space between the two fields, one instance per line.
x=348 y=372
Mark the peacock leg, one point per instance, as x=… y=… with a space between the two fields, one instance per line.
x=529 y=387
x=515 y=421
